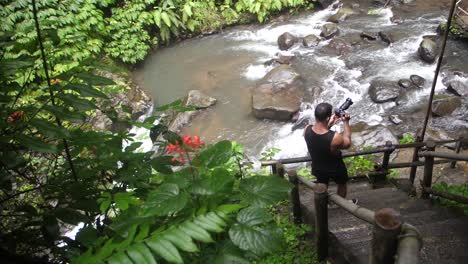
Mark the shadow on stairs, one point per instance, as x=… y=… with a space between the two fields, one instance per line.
x=444 y=231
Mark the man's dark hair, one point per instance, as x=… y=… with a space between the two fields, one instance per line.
x=323 y=111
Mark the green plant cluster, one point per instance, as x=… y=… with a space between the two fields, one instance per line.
x=125 y=30
x=298 y=247
x=461 y=190
x=406 y=138
x=57 y=173
x=359 y=164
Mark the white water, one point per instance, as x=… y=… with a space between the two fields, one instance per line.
x=339 y=76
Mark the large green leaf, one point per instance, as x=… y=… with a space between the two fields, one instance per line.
x=167 y=199
x=219 y=180
x=77 y=103
x=65 y=114
x=92 y=79
x=139 y=253
x=216 y=155
x=85 y=90
x=162 y=164
x=49 y=129
x=229 y=254
x=36 y=144
x=165 y=249
x=254 y=232
x=264 y=190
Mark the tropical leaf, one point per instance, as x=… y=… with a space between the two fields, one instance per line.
x=264 y=190
x=167 y=199
x=216 y=155
x=254 y=232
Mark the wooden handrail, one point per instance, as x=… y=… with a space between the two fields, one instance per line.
x=409 y=244
x=446 y=155
x=359 y=212
x=379 y=149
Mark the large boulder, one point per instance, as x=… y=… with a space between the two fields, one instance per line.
x=337 y=46
x=199 y=100
x=381 y=91
x=278 y=95
x=406 y=83
x=428 y=50
x=310 y=41
x=386 y=37
x=417 y=80
x=372 y=136
x=445 y=105
x=329 y=30
x=368 y=35
x=458 y=88
x=286 y=41
x=341 y=15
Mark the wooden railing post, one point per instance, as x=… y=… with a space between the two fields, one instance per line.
x=389 y=148
x=280 y=170
x=385 y=233
x=321 y=221
x=294 y=195
x=415 y=158
x=428 y=168
x=274 y=169
x=457 y=150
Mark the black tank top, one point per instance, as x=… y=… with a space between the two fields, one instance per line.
x=324 y=161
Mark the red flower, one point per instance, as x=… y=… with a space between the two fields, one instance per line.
x=54 y=81
x=195 y=143
x=17 y=115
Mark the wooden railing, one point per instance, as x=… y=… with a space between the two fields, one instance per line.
x=390 y=237
x=382 y=169
x=392 y=240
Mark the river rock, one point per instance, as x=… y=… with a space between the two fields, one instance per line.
x=458 y=88
x=445 y=105
x=417 y=80
x=341 y=15
x=386 y=37
x=368 y=35
x=395 y=119
x=329 y=30
x=310 y=41
x=428 y=50
x=381 y=91
x=396 y=19
x=199 y=100
x=338 y=47
x=405 y=83
x=286 y=41
x=373 y=136
x=278 y=95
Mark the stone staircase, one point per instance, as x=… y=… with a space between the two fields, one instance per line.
x=444 y=230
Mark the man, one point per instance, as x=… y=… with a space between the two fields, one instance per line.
x=325 y=147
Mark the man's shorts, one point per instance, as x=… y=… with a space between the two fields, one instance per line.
x=340 y=178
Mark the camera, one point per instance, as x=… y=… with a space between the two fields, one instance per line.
x=341 y=110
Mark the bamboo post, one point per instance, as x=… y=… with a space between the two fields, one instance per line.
x=415 y=158
x=273 y=169
x=280 y=170
x=321 y=221
x=428 y=168
x=385 y=233
x=389 y=148
x=294 y=195
x=457 y=150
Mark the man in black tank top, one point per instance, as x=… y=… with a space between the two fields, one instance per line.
x=325 y=147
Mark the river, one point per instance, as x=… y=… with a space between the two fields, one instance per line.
x=227 y=65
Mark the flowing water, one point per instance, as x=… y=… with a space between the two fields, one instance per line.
x=227 y=65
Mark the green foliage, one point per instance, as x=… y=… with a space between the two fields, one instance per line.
x=305 y=173
x=359 y=164
x=56 y=172
x=297 y=247
x=461 y=190
x=407 y=138
x=269 y=153
x=393 y=174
